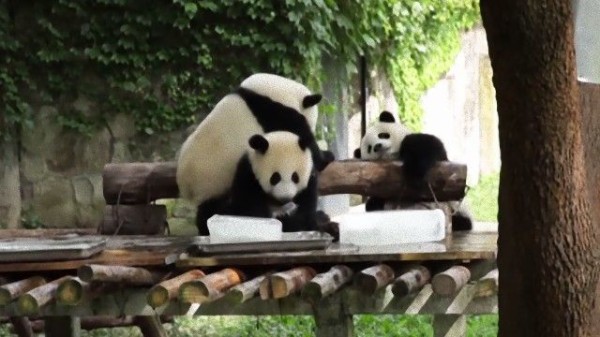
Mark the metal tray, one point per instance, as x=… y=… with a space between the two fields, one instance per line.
x=50 y=249
x=293 y=241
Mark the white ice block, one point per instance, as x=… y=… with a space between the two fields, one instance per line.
x=227 y=229
x=392 y=227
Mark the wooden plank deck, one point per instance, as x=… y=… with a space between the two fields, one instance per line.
x=459 y=246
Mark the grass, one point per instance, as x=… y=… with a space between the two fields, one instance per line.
x=296 y=326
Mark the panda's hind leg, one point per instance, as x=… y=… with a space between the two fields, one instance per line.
x=374 y=204
x=206 y=210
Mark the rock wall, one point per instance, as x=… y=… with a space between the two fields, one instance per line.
x=61 y=172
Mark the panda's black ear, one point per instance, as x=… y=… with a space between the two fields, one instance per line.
x=259 y=143
x=357 y=153
x=387 y=117
x=311 y=100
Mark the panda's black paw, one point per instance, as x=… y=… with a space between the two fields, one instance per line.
x=461 y=223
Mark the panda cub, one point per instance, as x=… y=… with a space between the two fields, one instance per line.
x=277 y=171
x=419 y=152
x=262 y=103
x=382 y=139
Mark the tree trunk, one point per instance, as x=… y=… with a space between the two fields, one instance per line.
x=547 y=244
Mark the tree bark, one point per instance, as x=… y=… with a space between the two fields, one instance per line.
x=547 y=243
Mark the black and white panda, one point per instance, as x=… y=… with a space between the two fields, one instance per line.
x=382 y=139
x=276 y=178
x=381 y=142
x=262 y=103
x=419 y=152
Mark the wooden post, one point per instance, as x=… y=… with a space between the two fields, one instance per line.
x=449 y=326
x=22 y=326
x=331 y=320
x=150 y=326
x=62 y=326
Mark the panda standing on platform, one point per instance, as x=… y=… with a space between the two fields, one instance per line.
x=419 y=152
x=276 y=178
x=263 y=103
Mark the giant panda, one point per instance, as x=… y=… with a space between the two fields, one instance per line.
x=262 y=103
x=418 y=152
x=276 y=178
x=381 y=142
x=382 y=139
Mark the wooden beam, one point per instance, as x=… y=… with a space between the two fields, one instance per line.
x=31 y=302
x=11 y=291
x=449 y=326
x=325 y=284
x=140 y=183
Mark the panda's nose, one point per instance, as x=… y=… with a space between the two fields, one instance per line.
x=377 y=147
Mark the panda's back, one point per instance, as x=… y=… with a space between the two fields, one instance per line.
x=209 y=156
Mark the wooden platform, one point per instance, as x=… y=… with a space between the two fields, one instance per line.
x=159 y=251
x=459 y=246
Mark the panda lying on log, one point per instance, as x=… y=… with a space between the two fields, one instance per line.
x=388 y=139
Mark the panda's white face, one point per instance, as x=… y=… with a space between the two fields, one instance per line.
x=287 y=92
x=382 y=139
x=281 y=164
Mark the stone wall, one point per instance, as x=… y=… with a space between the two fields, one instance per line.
x=61 y=172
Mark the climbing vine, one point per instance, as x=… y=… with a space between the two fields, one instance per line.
x=165 y=62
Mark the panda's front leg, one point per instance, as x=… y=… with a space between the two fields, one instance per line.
x=304 y=217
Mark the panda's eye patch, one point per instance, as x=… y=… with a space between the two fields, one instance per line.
x=369 y=149
x=295 y=178
x=384 y=135
x=275 y=178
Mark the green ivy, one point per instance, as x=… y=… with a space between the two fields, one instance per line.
x=166 y=62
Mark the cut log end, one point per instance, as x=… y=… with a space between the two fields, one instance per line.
x=158 y=296
x=70 y=292
x=27 y=304
x=450 y=281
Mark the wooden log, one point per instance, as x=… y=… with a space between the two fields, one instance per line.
x=134 y=219
x=265 y=291
x=167 y=290
x=451 y=280
x=288 y=282
x=150 y=326
x=140 y=183
x=33 y=300
x=21 y=326
x=211 y=286
x=71 y=291
x=120 y=274
x=247 y=290
x=411 y=279
x=373 y=278
x=325 y=284
x=10 y=291
x=487 y=285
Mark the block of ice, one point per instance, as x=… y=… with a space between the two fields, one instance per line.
x=227 y=229
x=392 y=227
